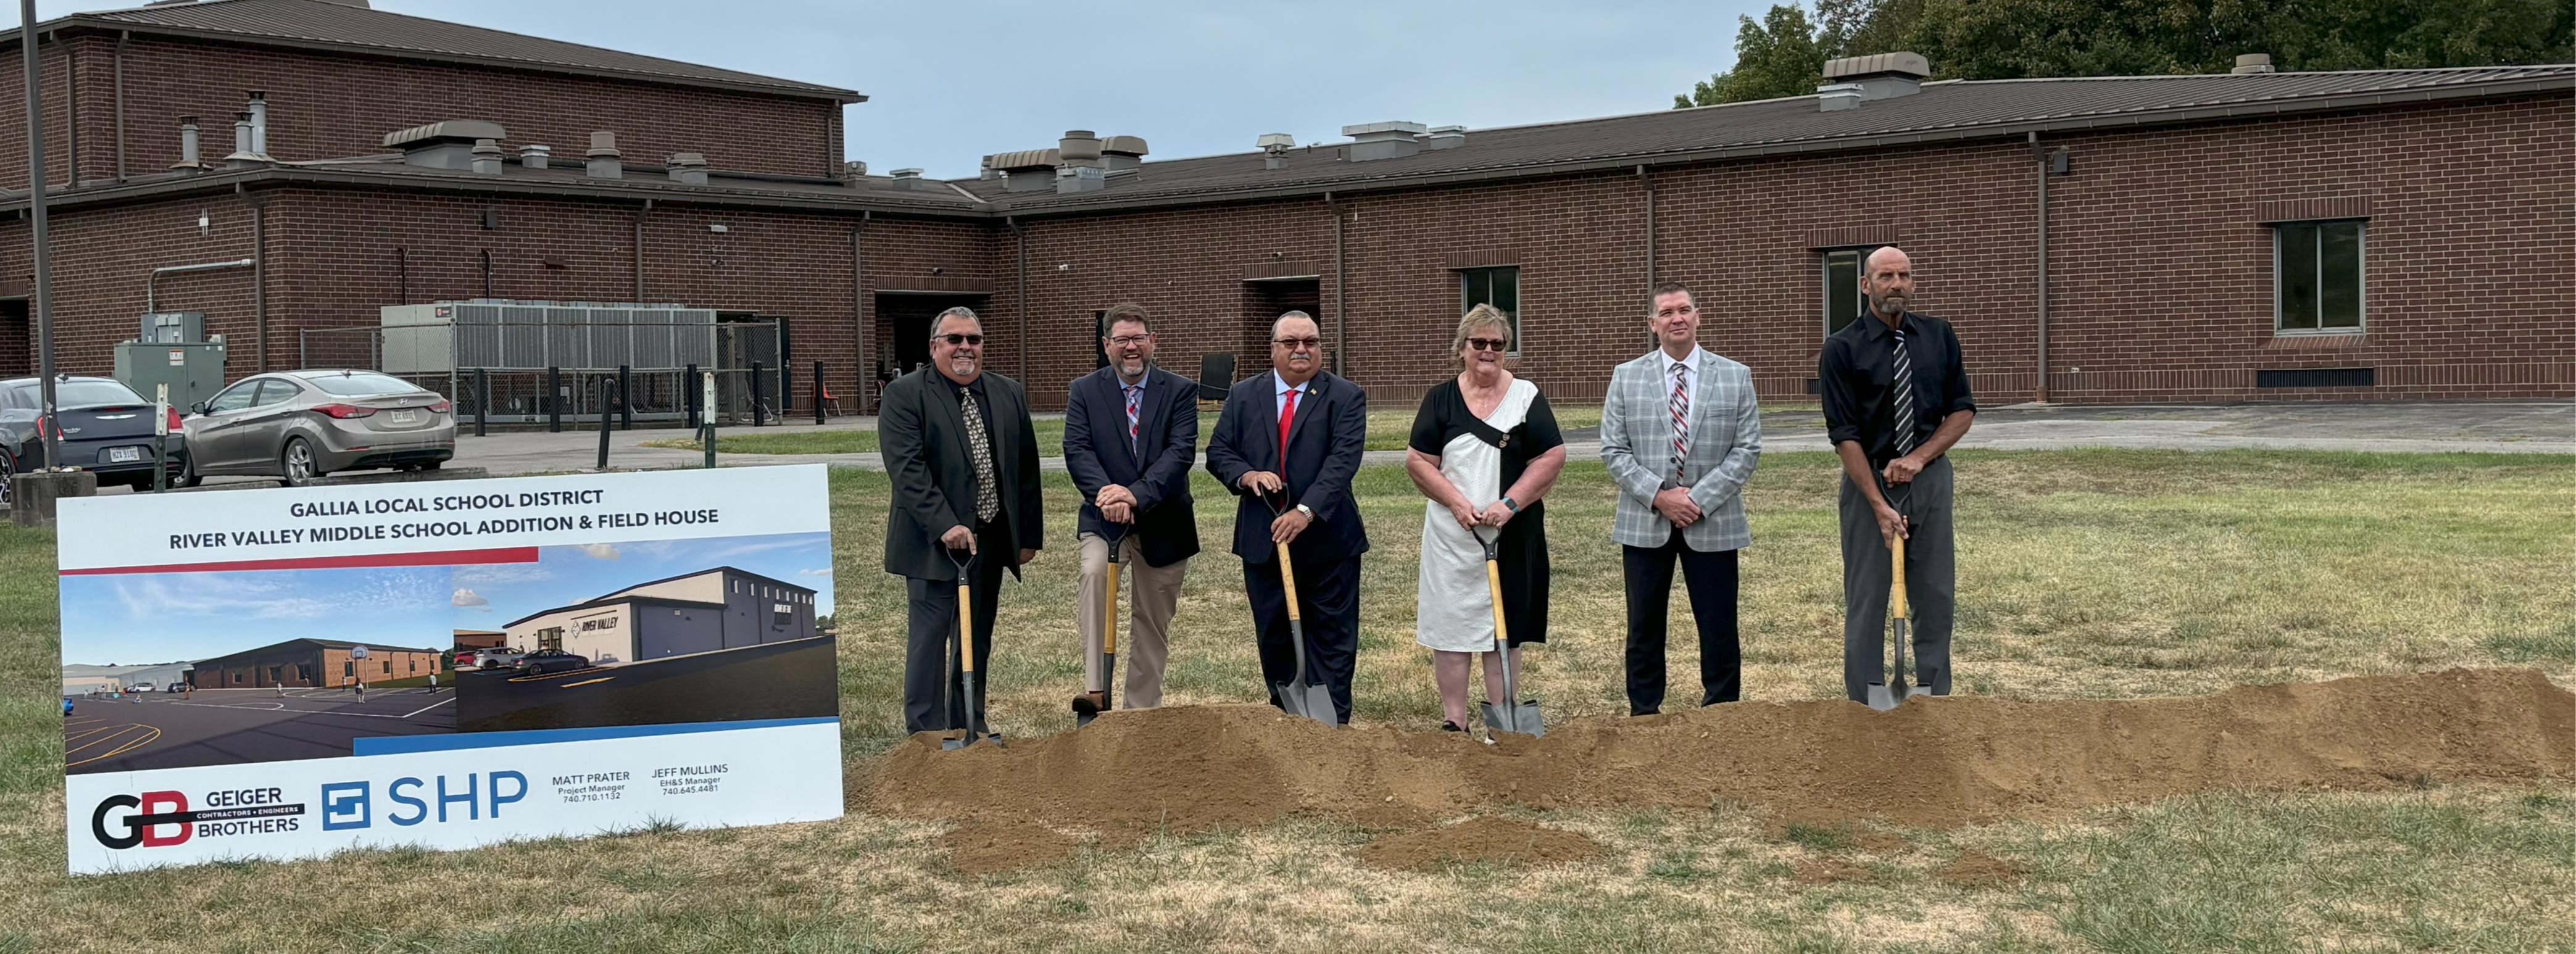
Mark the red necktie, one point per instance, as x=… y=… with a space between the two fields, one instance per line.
x=1287 y=416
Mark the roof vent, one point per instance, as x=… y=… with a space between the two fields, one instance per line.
x=189 y=158
x=1073 y=179
x=687 y=168
x=1878 y=75
x=1028 y=170
x=1836 y=97
x=907 y=178
x=1079 y=147
x=1122 y=152
x=443 y=145
x=2253 y=63
x=1388 y=140
x=487 y=157
x=603 y=161
x=535 y=156
x=258 y=122
x=1445 y=137
x=242 y=140
x=1274 y=149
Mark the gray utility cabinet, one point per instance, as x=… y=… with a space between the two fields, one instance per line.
x=194 y=370
x=449 y=337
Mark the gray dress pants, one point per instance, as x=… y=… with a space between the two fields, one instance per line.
x=1931 y=588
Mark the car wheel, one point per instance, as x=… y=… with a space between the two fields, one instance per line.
x=188 y=476
x=297 y=464
x=8 y=469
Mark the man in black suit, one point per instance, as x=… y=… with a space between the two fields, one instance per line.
x=963 y=458
x=1298 y=432
x=1131 y=431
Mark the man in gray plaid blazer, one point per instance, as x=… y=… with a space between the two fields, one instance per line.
x=1680 y=432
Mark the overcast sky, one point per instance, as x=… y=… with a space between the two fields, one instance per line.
x=949 y=82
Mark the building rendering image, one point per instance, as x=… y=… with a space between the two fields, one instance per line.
x=702 y=612
x=308 y=663
x=2241 y=236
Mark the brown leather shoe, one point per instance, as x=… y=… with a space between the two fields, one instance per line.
x=1088 y=703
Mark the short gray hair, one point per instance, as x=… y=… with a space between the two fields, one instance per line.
x=1478 y=318
x=956 y=311
x=1285 y=315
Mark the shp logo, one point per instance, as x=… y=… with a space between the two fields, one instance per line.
x=162 y=819
x=474 y=797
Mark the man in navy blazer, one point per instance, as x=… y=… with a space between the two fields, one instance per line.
x=1131 y=432
x=1295 y=434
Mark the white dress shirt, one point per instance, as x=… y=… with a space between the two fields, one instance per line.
x=1690 y=375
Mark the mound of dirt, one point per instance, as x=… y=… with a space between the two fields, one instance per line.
x=1478 y=839
x=1935 y=762
x=984 y=847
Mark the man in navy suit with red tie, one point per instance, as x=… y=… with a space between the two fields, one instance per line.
x=1294 y=435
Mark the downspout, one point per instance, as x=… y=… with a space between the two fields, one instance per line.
x=859 y=325
x=119 y=72
x=639 y=249
x=402 y=275
x=1341 y=281
x=1021 y=341
x=72 y=110
x=258 y=271
x=2040 y=159
x=1649 y=186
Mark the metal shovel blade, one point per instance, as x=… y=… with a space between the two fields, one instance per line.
x=1522 y=717
x=1302 y=698
x=1880 y=698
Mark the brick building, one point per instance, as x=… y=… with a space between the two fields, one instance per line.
x=313 y=663
x=2250 y=236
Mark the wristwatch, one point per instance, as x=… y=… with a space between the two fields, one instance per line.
x=1509 y=505
x=1308 y=511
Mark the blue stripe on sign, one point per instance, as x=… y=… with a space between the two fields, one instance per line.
x=403 y=744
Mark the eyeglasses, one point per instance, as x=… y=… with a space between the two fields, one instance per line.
x=1298 y=343
x=955 y=340
x=1127 y=340
x=1487 y=344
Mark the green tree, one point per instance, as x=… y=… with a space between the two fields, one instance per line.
x=1783 y=55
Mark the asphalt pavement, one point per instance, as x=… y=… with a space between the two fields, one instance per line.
x=236 y=726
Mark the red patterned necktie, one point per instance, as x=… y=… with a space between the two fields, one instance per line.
x=1287 y=416
x=1135 y=395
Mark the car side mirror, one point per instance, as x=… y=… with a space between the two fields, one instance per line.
x=197 y=408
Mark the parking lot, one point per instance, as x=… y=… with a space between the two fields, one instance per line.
x=235 y=726
x=775 y=681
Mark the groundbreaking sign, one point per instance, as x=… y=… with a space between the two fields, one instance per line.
x=659 y=659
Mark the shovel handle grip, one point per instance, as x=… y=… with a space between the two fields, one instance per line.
x=1896 y=576
x=1288 y=583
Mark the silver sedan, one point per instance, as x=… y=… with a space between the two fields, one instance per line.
x=300 y=425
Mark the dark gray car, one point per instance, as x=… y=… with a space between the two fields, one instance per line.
x=300 y=425
x=106 y=428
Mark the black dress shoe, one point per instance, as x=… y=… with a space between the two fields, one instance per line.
x=1448 y=726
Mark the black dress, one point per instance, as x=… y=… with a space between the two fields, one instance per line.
x=1522 y=549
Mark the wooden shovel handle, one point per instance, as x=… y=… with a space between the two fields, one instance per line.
x=1494 y=586
x=1288 y=582
x=966 y=627
x=1896 y=576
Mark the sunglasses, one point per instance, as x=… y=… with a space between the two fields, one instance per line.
x=1487 y=344
x=954 y=340
x=1299 y=342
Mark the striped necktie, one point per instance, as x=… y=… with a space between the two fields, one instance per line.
x=1679 y=404
x=1135 y=396
x=1904 y=396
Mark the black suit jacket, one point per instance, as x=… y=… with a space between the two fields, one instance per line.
x=1324 y=446
x=923 y=440
x=1157 y=471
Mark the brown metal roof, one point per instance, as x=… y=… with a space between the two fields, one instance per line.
x=1949 y=110
x=321 y=24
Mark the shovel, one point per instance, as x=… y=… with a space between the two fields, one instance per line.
x=1090 y=705
x=1297 y=696
x=966 y=657
x=1884 y=696
x=1515 y=714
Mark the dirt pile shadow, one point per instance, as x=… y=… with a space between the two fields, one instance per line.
x=1937 y=762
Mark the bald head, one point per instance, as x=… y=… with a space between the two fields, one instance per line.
x=1887 y=278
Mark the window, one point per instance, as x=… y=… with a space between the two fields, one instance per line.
x=1499 y=286
x=1843 y=300
x=274 y=391
x=2317 y=274
x=234 y=398
x=781 y=614
x=362 y=384
x=389 y=667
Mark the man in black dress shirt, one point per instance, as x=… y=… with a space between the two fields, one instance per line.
x=962 y=455
x=1896 y=398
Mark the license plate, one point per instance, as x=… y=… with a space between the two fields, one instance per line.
x=124 y=455
x=406 y=417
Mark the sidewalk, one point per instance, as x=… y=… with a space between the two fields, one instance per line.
x=2477 y=427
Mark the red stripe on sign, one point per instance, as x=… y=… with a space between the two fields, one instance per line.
x=441 y=558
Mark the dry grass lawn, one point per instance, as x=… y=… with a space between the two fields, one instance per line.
x=2083 y=574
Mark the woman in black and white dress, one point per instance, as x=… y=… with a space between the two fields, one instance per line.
x=1484 y=450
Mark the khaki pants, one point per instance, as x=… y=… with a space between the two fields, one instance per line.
x=1152 y=592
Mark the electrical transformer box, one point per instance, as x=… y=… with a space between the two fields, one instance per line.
x=194 y=370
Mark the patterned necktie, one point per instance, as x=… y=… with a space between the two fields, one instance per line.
x=1904 y=397
x=1287 y=416
x=1135 y=396
x=979 y=445
x=1680 y=405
